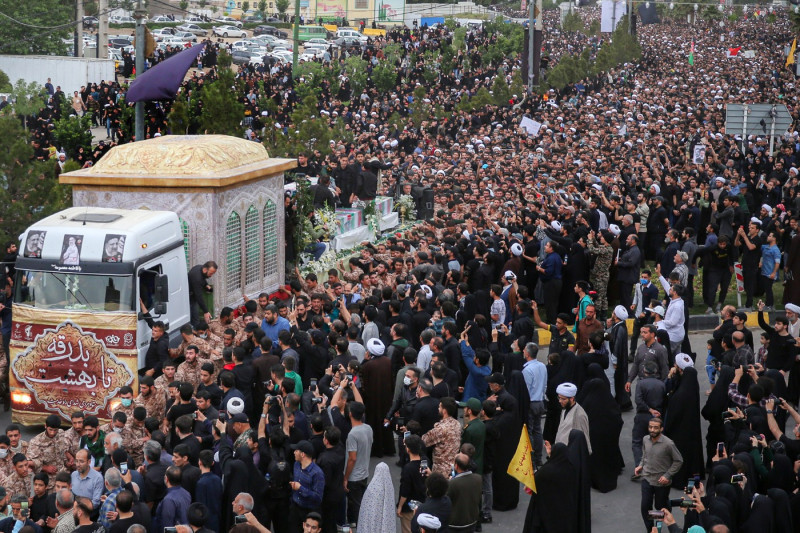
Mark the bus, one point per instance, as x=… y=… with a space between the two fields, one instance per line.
x=312 y=32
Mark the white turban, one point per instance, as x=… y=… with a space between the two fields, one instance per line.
x=793 y=308
x=568 y=390
x=516 y=249
x=556 y=225
x=683 y=361
x=621 y=312
x=613 y=228
x=375 y=347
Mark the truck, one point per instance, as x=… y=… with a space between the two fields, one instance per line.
x=69 y=73
x=87 y=281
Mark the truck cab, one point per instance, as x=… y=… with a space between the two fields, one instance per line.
x=89 y=282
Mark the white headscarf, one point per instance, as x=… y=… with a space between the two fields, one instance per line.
x=377 y=513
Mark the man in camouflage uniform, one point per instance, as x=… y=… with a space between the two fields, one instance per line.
x=189 y=370
x=190 y=339
x=125 y=402
x=136 y=433
x=17 y=444
x=21 y=479
x=6 y=466
x=118 y=425
x=604 y=253
x=215 y=343
x=48 y=450
x=223 y=322
x=162 y=382
x=73 y=437
x=149 y=398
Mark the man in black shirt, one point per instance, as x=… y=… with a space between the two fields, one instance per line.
x=412 y=482
x=198 y=285
x=157 y=351
x=83 y=512
x=560 y=335
x=332 y=463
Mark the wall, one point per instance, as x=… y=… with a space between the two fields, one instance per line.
x=68 y=72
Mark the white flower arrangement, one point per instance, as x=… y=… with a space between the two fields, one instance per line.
x=325 y=223
x=322 y=265
x=407 y=207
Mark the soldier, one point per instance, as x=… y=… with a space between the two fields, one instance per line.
x=92 y=441
x=137 y=434
x=118 y=425
x=189 y=370
x=150 y=398
x=6 y=466
x=263 y=302
x=215 y=343
x=190 y=339
x=17 y=444
x=21 y=479
x=73 y=437
x=49 y=449
x=223 y=322
x=125 y=402
x=600 y=246
x=162 y=382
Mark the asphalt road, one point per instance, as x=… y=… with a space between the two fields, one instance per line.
x=614 y=512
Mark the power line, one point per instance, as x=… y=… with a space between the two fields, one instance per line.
x=50 y=30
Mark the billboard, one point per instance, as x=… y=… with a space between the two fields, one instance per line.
x=69 y=367
x=389 y=10
x=331 y=8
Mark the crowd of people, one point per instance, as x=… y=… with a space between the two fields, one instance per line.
x=424 y=347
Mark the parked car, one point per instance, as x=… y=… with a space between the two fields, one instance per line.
x=240 y=57
x=118 y=43
x=194 y=19
x=271 y=41
x=348 y=42
x=90 y=21
x=185 y=36
x=273 y=19
x=229 y=21
x=265 y=29
x=193 y=28
x=351 y=33
x=163 y=33
x=121 y=20
x=229 y=31
x=162 y=19
x=252 y=19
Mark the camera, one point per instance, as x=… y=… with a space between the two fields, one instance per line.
x=423 y=465
x=736 y=478
x=691 y=484
x=655 y=515
x=316 y=400
x=270 y=400
x=223 y=417
x=123 y=468
x=720 y=449
x=413 y=504
x=349 y=378
x=313 y=384
x=726 y=415
x=240 y=519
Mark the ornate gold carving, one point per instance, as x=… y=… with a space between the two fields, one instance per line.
x=181 y=155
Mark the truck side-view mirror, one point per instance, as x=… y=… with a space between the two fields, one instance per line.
x=162 y=289
x=160 y=308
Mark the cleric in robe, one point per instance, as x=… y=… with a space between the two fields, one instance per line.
x=572 y=414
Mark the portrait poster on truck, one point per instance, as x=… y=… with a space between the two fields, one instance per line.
x=65 y=367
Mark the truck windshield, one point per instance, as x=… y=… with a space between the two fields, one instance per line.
x=83 y=292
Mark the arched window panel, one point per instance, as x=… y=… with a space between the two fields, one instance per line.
x=252 y=265
x=233 y=253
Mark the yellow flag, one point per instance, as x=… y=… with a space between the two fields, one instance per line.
x=521 y=465
x=790 y=58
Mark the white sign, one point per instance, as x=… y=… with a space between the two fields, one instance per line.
x=699 y=155
x=531 y=126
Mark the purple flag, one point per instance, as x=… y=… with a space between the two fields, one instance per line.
x=162 y=81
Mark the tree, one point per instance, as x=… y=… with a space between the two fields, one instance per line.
x=222 y=112
x=262 y=8
x=184 y=5
x=356 y=70
x=501 y=94
x=384 y=77
x=72 y=133
x=282 y=6
x=29 y=189
x=24 y=39
x=573 y=22
x=5 y=83
x=179 y=116
x=28 y=99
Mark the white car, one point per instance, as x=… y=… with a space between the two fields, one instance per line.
x=185 y=36
x=351 y=33
x=193 y=28
x=229 y=21
x=163 y=33
x=317 y=42
x=121 y=20
x=162 y=19
x=283 y=57
x=273 y=41
x=229 y=31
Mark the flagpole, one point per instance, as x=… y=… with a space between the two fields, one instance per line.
x=139 y=13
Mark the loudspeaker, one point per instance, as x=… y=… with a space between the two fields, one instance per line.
x=425 y=204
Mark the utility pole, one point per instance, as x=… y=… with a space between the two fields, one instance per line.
x=531 y=45
x=139 y=14
x=295 y=37
x=536 y=39
x=79 y=29
x=102 y=29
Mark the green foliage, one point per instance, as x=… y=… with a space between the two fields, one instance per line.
x=501 y=93
x=222 y=113
x=573 y=22
x=5 y=83
x=184 y=5
x=29 y=189
x=19 y=39
x=70 y=165
x=179 y=117
x=384 y=77
x=28 y=99
x=711 y=12
x=594 y=27
x=72 y=133
x=245 y=6
x=282 y=6
x=262 y=8
x=356 y=70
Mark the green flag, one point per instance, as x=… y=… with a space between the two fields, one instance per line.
x=691 y=58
